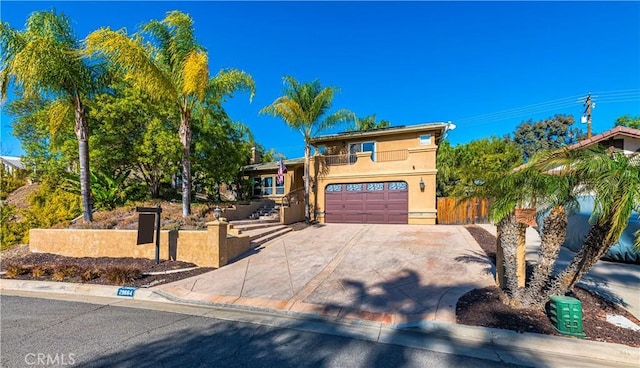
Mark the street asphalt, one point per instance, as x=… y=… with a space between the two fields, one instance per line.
x=392 y=283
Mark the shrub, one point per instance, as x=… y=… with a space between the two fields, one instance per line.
x=39 y=271
x=15 y=270
x=12 y=231
x=51 y=205
x=120 y=275
x=89 y=274
x=63 y=271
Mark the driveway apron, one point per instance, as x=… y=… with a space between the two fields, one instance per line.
x=389 y=273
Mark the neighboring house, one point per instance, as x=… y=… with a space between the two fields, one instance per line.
x=622 y=138
x=383 y=175
x=627 y=140
x=12 y=163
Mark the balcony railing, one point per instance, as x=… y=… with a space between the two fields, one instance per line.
x=351 y=158
x=397 y=155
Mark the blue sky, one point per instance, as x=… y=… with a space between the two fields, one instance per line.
x=485 y=66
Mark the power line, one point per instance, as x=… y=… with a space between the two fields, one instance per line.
x=616 y=96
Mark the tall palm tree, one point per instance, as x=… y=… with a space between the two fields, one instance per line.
x=174 y=68
x=303 y=108
x=44 y=60
x=614 y=180
x=370 y=122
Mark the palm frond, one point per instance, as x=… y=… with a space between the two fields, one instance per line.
x=130 y=56
x=228 y=81
x=196 y=74
x=60 y=113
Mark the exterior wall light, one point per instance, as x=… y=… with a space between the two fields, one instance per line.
x=421 y=185
x=216 y=213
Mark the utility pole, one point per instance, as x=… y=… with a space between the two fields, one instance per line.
x=589 y=105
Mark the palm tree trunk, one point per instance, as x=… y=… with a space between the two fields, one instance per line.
x=510 y=231
x=82 y=134
x=185 y=139
x=554 y=231
x=307 y=153
x=594 y=247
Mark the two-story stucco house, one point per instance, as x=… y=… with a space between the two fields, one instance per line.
x=377 y=176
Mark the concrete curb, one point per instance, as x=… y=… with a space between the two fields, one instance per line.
x=485 y=343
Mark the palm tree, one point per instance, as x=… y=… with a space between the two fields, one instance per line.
x=302 y=108
x=525 y=187
x=614 y=180
x=174 y=68
x=369 y=122
x=44 y=60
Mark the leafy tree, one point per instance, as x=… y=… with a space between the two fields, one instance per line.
x=462 y=168
x=369 y=122
x=47 y=153
x=628 y=121
x=135 y=133
x=303 y=108
x=44 y=59
x=221 y=148
x=550 y=133
x=175 y=70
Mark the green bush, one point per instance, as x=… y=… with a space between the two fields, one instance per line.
x=11 y=181
x=50 y=205
x=12 y=231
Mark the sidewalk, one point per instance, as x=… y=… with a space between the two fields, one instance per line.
x=618 y=282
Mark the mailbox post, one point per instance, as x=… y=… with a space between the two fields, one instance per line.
x=145 y=227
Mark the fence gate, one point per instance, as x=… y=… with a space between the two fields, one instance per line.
x=471 y=211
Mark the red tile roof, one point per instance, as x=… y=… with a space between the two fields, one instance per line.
x=621 y=130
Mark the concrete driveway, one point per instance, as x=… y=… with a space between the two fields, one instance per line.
x=388 y=273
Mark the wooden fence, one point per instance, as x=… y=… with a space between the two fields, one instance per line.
x=472 y=211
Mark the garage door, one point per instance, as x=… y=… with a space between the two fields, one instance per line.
x=367 y=203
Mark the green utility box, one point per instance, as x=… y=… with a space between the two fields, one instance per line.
x=566 y=315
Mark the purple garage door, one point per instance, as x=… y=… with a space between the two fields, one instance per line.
x=367 y=203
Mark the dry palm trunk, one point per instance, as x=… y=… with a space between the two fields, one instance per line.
x=554 y=231
x=510 y=231
x=594 y=247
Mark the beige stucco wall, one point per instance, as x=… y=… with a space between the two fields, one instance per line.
x=203 y=248
x=383 y=143
x=292 y=213
x=420 y=164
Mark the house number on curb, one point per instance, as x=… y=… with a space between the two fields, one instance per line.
x=126 y=291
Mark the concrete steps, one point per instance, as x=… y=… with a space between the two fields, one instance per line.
x=263 y=235
x=240 y=223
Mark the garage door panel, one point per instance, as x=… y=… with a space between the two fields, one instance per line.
x=375 y=196
x=364 y=203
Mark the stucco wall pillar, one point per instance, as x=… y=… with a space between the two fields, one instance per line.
x=217 y=240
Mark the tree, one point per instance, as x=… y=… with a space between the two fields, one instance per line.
x=133 y=132
x=44 y=59
x=611 y=177
x=528 y=187
x=303 y=108
x=550 y=133
x=460 y=168
x=614 y=180
x=173 y=68
x=628 y=121
x=221 y=148
x=369 y=122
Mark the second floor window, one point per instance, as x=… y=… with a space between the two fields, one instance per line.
x=362 y=147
